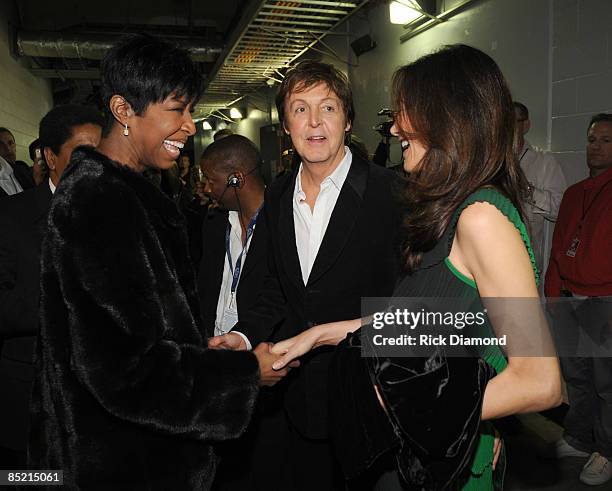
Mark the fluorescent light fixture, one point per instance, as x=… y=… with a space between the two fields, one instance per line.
x=235 y=113
x=206 y=125
x=401 y=13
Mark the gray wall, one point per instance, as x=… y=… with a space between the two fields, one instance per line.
x=514 y=32
x=581 y=78
x=249 y=127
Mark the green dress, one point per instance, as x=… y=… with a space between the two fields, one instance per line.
x=437 y=277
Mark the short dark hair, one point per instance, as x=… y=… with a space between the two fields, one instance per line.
x=32 y=149
x=145 y=70
x=233 y=153
x=600 y=118
x=310 y=73
x=522 y=108
x=6 y=130
x=56 y=127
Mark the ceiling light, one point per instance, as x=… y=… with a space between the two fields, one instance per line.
x=206 y=125
x=235 y=113
x=401 y=13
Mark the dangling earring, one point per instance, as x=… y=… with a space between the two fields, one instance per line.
x=126 y=132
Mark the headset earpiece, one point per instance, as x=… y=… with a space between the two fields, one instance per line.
x=233 y=181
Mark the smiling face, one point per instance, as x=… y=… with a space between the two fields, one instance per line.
x=413 y=150
x=599 y=147
x=161 y=131
x=316 y=122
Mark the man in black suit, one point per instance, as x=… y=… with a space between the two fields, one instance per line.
x=231 y=167
x=333 y=227
x=230 y=279
x=23 y=219
x=21 y=171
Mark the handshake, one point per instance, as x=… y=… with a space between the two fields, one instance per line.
x=274 y=363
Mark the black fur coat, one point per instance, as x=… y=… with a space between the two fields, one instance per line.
x=126 y=395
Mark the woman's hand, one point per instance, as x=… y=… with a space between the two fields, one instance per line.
x=324 y=334
x=294 y=347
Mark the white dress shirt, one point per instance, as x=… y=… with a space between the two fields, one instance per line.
x=52 y=186
x=310 y=225
x=8 y=181
x=227 y=304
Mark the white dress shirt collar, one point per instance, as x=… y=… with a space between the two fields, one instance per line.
x=311 y=225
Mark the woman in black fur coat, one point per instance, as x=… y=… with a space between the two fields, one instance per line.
x=127 y=396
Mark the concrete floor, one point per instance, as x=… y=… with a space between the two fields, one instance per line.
x=529 y=465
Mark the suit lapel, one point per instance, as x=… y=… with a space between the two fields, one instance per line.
x=288 y=248
x=254 y=254
x=342 y=220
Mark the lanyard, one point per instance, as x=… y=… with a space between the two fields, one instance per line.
x=236 y=271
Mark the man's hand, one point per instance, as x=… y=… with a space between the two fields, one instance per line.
x=231 y=340
x=266 y=358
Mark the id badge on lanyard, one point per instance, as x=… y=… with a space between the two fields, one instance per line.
x=571 y=250
x=230 y=317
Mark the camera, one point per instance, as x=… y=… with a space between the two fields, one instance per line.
x=384 y=127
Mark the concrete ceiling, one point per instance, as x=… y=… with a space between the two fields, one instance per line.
x=240 y=44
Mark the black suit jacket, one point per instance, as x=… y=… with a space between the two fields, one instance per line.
x=23 y=219
x=213 y=259
x=23 y=175
x=357 y=258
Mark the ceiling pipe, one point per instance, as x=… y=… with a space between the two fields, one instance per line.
x=48 y=44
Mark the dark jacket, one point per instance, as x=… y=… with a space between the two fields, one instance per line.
x=126 y=394
x=23 y=175
x=23 y=219
x=357 y=258
x=213 y=260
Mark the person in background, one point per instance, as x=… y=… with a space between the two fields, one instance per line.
x=8 y=151
x=126 y=393
x=231 y=170
x=23 y=219
x=546 y=184
x=580 y=270
x=231 y=277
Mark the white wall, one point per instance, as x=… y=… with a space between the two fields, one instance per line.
x=515 y=33
x=248 y=127
x=582 y=77
x=24 y=99
x=555 y=54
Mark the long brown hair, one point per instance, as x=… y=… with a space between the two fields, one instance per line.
x=460 y=108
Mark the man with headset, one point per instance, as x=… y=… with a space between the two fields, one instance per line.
x=230 y=279
x=231 y=247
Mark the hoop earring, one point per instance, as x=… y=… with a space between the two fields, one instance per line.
x=126 y=132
